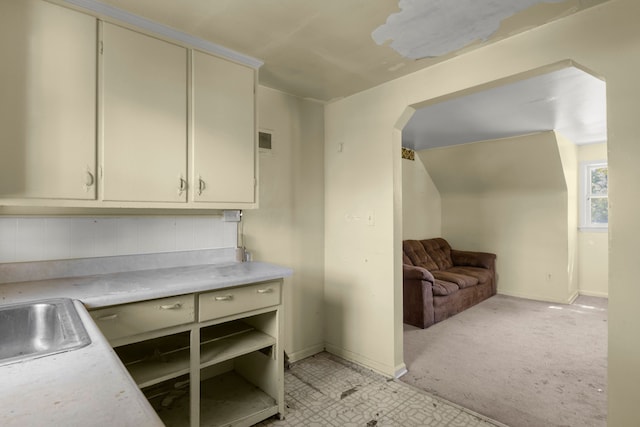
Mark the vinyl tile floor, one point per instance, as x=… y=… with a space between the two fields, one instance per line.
x=324 y=390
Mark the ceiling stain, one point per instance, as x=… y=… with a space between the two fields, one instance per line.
x=432 y=28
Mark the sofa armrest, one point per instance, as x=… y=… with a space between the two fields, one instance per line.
x=417 y=299
x=415 y=272
x=473 y=259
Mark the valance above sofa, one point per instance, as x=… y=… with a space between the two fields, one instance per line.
x=439 y=282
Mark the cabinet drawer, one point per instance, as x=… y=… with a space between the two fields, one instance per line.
x=238 y=300
x=131 y=319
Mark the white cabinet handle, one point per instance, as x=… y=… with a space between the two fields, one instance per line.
x=201 y=186
x=171 y=306
x=224 y=298
x=265 y=291
x=108 y=317
x=90 y=179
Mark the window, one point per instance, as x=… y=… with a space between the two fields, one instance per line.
x=595 y=195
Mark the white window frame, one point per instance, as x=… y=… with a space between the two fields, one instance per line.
x=586 y=196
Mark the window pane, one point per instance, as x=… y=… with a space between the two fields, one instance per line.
x=599 y=181
x=599 y=211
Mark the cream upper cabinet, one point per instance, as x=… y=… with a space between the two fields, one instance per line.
x=144 y=116
x=224 y=135
x=48 y=101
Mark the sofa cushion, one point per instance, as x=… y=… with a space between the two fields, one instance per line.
x=473 y=259
x=440 y=251
x=443 y=288
x=462 y=280
x=417 y=254
x=482 y=274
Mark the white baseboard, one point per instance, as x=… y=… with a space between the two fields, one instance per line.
x=539 y=298
x=304 y=353
x=400 y=370
x=387 y=371
x=594 y=294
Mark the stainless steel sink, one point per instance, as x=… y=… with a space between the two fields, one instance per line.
x=40 y=328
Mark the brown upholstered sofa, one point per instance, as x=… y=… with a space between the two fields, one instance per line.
x=439 y=282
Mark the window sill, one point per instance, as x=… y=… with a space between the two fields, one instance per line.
x=594 y=229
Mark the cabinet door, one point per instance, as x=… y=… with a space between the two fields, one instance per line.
x=144 y=117
x=223 y=131
x=48 y=101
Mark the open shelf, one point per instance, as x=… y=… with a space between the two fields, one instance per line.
x=153 y=361
x=229 y=399
x=230 y=340
x=226 y=399
x=156 y=360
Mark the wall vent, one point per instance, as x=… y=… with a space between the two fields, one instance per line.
x=264 y=140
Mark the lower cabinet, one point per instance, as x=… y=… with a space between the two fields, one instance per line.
x=233 y=362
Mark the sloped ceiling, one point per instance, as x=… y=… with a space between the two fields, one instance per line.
x=505 y=165
x=567 y=100
x=334 y=48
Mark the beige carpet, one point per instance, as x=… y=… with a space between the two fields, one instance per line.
x=523 y=363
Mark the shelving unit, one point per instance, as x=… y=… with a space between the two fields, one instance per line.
x=233 y=362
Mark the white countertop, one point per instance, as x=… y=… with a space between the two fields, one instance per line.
x=120 y=288
x=83 y=387
x=90 y=386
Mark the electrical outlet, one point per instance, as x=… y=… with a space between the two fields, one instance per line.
x=232 y=216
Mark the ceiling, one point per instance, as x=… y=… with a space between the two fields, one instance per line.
x=328 y=49
x=569 y=101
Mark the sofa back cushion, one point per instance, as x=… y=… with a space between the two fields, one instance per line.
x=439 y=251
x=405 y=259
x=414 y=250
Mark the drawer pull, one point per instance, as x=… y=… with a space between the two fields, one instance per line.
x=171 y=306
x=265 y=291
x=224 y=298
x=108 y=317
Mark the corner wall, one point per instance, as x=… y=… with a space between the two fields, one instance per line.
x=288 y=227
x=421 y=204
x=569 y=156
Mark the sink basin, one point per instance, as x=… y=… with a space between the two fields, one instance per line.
x=40 y=328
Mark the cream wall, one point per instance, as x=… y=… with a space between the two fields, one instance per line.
x=569 y=156
x=288 y=228
x=363 y=282
x=362 y=322
x=593 y=265
x=509 y=197
x=421 y=205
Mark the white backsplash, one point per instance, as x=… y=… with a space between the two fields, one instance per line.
x=53 y=238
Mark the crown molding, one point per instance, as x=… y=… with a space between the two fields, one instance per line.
x=153 y=27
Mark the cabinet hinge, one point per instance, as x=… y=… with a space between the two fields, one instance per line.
x=101 y=47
